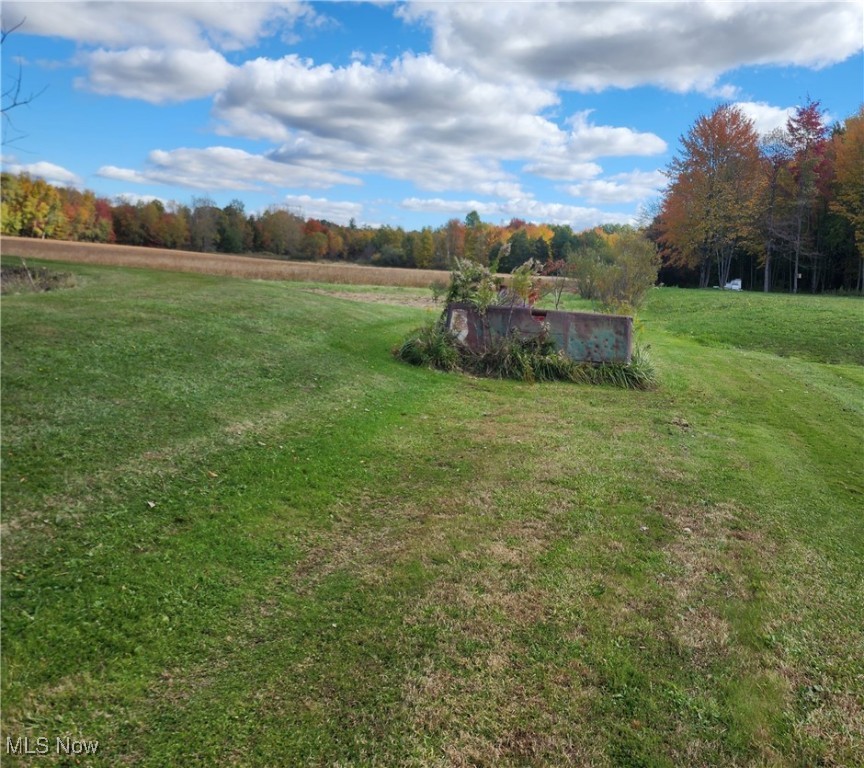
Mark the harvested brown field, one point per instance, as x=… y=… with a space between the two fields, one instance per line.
x=249 y=267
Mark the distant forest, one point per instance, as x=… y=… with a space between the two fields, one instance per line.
x=782 y=212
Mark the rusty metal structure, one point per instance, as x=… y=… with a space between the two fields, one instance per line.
x=583 y=336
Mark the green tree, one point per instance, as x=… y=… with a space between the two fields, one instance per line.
x=313 y=246
x=279 y=231
x=232 y=226
x=424 y=251
x=204 y=224
x=622 y=284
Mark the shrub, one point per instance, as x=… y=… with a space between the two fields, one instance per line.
x=472 y=283
x=618 y=270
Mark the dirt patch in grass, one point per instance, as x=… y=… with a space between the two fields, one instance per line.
x=371 y=297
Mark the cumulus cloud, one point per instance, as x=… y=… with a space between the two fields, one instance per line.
x=53 y=174
x=217 y=168
x=578 y=217
x=765 y=117
x=566 y=170
x=414 y=97
x=337 y=211
x=188 y=25
x=156 y=76
x=415 y=118
x=588 y=141
x=621 y=188
x=133 y=198
x=591 y=46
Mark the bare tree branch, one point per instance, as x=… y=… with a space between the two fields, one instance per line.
x=12 y=96
x=4 y=33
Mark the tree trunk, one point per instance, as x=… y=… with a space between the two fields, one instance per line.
x=704 y=273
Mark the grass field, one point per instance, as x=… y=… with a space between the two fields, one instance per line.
x=237 y=532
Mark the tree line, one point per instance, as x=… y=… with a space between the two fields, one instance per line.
x=31 y=207
x=784 y=211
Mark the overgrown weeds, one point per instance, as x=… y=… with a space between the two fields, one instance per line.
x=22 y=279
x=513 y=356
x=433 y=346
x=521 y=358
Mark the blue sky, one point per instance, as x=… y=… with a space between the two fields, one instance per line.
x=407 y=114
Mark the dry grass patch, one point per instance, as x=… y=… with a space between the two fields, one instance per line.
x=223 y=264
x=703 y=555
x=370 y=297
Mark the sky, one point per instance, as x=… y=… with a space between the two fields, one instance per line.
x=411 y=113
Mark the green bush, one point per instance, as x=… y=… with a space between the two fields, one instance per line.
x=617 y=271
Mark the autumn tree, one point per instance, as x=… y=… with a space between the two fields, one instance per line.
x=313 y=246
x=32 y=208
x=278 y=231
x=849 y=182
x=807 y=134
x=453 y=241
x=204 y=224
x=175 y=225
x=479 y=238
x=424 y=249
x=389 y=244
x=707 y=213
x=771 y=196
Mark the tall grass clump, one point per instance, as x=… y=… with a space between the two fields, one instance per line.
x=432 y=346
x=638 y=374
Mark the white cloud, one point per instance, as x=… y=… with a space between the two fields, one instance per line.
x=587 y=141
x=155 y=75
x=222 y=168
x=53 y=174
x=765 y=117
x=578 y=217
x=415 y=119
x=621 y=188
x=563 y=169
x=339 y=212
x=133 y=198
x=591 y=46
x=189 y=25
x=414 y=98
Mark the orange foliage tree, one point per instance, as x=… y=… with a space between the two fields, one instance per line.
x=707 y=212
x=849 y=181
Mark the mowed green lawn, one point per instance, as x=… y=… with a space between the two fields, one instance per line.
x=237 y=532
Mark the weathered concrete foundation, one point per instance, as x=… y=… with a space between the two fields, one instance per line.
x=583 y=336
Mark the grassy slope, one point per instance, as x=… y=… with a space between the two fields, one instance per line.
x=237 y=532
